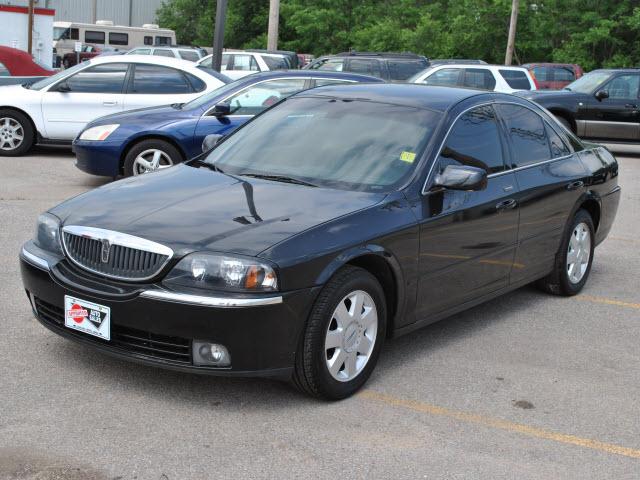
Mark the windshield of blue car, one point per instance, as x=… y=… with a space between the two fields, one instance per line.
x=339 y=143
x=45 y=82
x=207 y=98
x=589 y=82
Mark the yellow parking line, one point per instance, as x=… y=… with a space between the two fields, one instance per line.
x=608 y=301
x=500 y=424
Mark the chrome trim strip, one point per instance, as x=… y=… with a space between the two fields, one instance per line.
x=34 y=260
x=116 y=238
x=492 y=103
x=204 y=301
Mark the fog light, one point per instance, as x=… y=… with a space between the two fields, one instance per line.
x=210 y=354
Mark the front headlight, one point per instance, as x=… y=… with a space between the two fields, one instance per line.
x=48 y=234
x=221 y=272
x=98 y=133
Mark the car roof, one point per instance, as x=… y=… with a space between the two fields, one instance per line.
x=148 y=59
x=548 y=64
x=412 y=95
x=311 y=74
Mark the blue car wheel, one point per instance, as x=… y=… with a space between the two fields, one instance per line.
x=149 y=156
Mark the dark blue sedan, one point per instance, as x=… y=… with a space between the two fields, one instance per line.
x=142 y=141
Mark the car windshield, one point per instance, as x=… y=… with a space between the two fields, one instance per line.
x=331 y=142
x=204 y=100
x=45 y=82
x=589 y=83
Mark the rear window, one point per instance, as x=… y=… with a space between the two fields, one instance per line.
x=516 y=79
x=190 y=55
x=365 y=67
x=275 y=63
x=480 y=78
x=563 y=74
x=403 y=69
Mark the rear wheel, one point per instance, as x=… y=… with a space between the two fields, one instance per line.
x=16 y=133
x=574 y=260
x=149 y=156
x=343 y=337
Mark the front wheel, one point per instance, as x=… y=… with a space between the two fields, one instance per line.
x=16 y=133
x=343 y=337
x=574 y=260
x=149 y=156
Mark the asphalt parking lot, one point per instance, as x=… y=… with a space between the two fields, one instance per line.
x=525 y=386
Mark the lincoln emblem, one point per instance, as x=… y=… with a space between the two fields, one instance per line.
x=104 y=253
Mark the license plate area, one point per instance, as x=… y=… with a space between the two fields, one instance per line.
x=87 y=317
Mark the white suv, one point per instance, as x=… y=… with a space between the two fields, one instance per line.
x=497 y=78
x=238 y=64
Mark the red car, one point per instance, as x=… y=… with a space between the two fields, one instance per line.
x=18 y=63
x=553 y=76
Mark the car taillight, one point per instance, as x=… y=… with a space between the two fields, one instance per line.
x=535 y=81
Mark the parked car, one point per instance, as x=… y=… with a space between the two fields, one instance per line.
x=457 y=61
x=496 y=78
x=55 y=109
x=603 y=104
x=192 y=54
x=553 y=76
x=142 y=141
x=293 y=61
x=395 y=67
x=305 y=59
x=88 y=51
x=340 y=217
x=17 y=66
x=240 y=63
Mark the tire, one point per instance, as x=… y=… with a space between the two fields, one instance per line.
x=559 y=281
x=566 y=123
x=13 y=123
x=356 y=336
x=169 y=156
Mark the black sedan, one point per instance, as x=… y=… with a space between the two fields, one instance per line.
x=603 y=104
x=340 y=217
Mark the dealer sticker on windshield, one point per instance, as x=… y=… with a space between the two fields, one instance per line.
x=87 y=317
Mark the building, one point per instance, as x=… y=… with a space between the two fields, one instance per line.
x=132 y=13
x=15 y=27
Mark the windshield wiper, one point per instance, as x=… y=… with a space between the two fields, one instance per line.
x=278 y=178
x=210 y=166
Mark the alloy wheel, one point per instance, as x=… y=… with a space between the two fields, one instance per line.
x=11 y=133
x=151 y=160
x=578 y=253
x=351 y=336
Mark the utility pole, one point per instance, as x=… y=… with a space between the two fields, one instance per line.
x=274 y=19
x=511 y=42
x=94 y=12
x=30 y=27
x=218 y=34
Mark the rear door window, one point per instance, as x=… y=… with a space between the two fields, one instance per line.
x=623 y=87
x=244 y=63
x=516 y=79
x=480 y=78
x=527 y=134
x=557 y=145
x=447 y=77
x=190 y=55
x=155 y=79
x=106 y=78
x=365 y=66
x=163 y=52
x=404 y=69
x=543 y=74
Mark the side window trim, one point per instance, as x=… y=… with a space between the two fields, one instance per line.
x=432 y=168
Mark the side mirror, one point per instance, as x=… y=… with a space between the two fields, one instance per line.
x=221 y=110
x=62 y=87
x=210 y=141
x=601 y=95
x=460 y=177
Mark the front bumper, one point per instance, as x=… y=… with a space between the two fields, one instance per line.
x=262 y=337
x=98 y=158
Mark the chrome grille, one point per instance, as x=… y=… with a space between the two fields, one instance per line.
x=114 y=254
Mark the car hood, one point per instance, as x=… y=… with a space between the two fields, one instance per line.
x=196 y=209
x=149 y=117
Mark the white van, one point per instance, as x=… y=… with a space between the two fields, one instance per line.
x=105 y=33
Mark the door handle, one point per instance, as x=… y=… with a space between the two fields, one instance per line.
x=575 y=185
x=109 y=104
x=506 y=204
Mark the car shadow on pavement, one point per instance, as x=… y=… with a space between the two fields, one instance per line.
x=259 y=393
